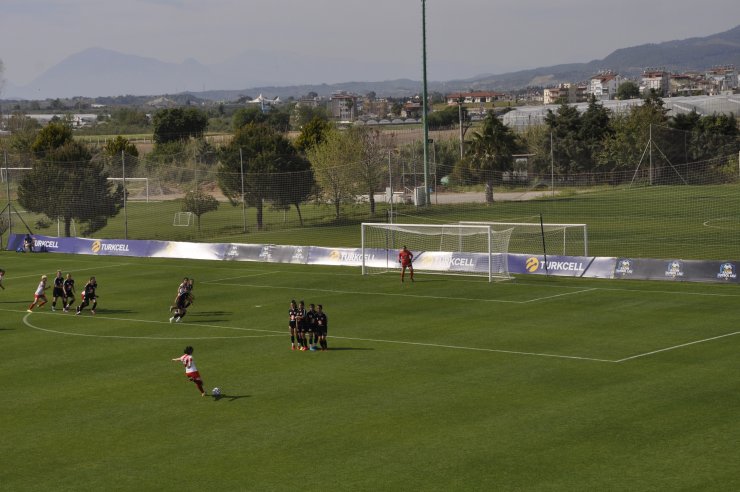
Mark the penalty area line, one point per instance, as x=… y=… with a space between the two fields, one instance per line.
x=677 y=346
x=477 y=349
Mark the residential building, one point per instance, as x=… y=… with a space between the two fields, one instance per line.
x=604 y=85
x=657 y=79
x=723 y=77
x=570 y=93
x=344 y=106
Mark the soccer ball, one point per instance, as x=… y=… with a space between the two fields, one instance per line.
x=216 y=392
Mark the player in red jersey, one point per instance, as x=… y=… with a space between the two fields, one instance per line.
x=406 y=258
x=191 y=372
x=39 y=297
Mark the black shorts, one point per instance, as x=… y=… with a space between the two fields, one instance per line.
x=70 y=295
x=321 y=331
x=291 y=323
x=58 y=292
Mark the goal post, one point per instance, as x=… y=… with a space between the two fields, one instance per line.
x=528 y=237
x=445 y=249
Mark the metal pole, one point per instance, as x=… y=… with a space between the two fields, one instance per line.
x=462 y=143
x=552 y=168
x=125 y=211
x=7 y=186
x=425 y=109
x=244 y=205
x=390 y=187
x=650 y=145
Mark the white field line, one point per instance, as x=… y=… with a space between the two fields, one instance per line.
x=559 y=295
x=478 y=349
x=388 y=294
x=678 y=346
x=38 y=275
x=261 y=274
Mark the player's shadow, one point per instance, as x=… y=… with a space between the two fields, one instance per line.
x=230 y=397
x=110 y=311
x=210 y=313
x=6 y=329
x=332 y=349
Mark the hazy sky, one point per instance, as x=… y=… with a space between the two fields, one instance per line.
x=480 y=35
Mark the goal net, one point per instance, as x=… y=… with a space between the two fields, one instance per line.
x=527 y=237
x=451 y=249
x=182 y=219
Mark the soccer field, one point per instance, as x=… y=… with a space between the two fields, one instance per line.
x=443 y=384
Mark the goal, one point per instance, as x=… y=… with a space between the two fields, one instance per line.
x=182 y=219
x=450 y=249
x=527 y=237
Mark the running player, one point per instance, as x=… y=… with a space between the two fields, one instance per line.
x=88 y=296
x=69 y=292
x=191 y=372
x=58 y=291
x=406 y=258
x=181 y=289
x=300 y=320
x=322 y=326
x=292 y=323
x=39 y=297
x=2 y=276
x=313 y=336
x=190 y=298
x=180 y=307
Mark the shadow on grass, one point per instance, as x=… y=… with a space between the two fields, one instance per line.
x=210 y=313
x=332 y=349
x=104 y=311
x=230 y=397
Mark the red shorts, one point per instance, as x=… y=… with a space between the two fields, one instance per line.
x=42 y=297
x=193 y=376
x=406 y=265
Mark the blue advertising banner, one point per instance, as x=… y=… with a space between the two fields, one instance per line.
x=519 y=264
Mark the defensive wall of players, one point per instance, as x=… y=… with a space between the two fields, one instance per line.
x=437 y=261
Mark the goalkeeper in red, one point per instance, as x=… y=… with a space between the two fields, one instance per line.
x=406 y=258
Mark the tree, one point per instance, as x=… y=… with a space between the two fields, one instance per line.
x=370 y=163
x=178 y=124
x=266 y=156
x=490 y=150
x=68 y=184
x=630 y=134
x=118 y=147
x=52 y=136
x=628 y=90
x=312 y=134
x=199 y=203
x=334 y=176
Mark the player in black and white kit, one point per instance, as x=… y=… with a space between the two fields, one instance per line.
x=322 y=326
x=300 y=319
x=58 y=291
x=69 y=292
x=88 y=296
x=313 y=336
x=292 y=323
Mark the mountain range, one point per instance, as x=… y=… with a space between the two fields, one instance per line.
x=98 y=72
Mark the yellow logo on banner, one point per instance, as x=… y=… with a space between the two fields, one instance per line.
x=95 y=247
x=335 y=255
x=532 y=264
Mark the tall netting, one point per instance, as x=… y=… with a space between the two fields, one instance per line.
x=533 y=238
x=671 y=193
x=448 y=249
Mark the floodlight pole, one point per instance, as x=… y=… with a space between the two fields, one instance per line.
x=7 y=187
x=125 y=212
x=424 y=97
x=244 y=205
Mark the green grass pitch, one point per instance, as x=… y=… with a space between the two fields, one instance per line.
x=444 y=384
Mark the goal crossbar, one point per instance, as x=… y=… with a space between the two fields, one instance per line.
x=527 y=237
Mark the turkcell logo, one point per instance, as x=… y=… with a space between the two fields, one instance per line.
x=45 y=243
x=534 y=264
x=101 y=247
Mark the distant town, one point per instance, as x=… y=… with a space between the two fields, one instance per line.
x=372 y=109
